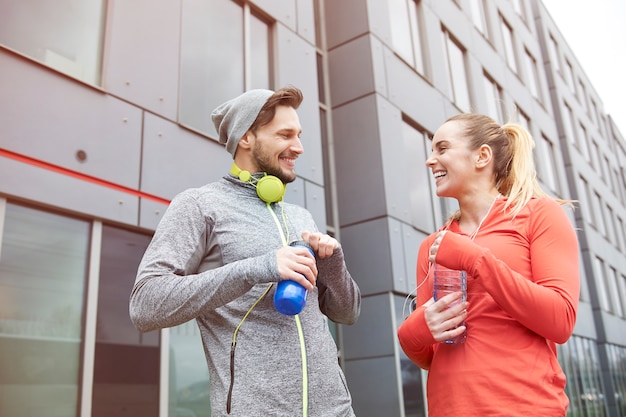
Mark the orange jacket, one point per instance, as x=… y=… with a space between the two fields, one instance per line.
x=523 y=286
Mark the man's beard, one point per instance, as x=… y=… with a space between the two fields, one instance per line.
x=265 y=164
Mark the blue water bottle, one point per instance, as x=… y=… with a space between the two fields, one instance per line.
x=290 y=297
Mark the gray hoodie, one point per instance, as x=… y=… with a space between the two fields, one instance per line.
x=211 y=258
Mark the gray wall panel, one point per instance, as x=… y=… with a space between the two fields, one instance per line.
x=367 y=250
x=150 y=213
x=414 y=95
x=378 y=51
x=53 y=126
x=372 y=335
x=337 y=13
x=47 y=187
x=315 y=203
x=411 y=240
x=614 y=329
x=397 y=159
x=305 y=20
x=374 y=387
x=142 y=54
x=400 y=275
x=585 y=325
x=360 y=189
x=295 y=193
x=351 y=71
x=175 y=159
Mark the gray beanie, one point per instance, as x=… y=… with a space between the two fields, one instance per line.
x=233 y=118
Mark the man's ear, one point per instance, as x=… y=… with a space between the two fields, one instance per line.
x=246 y=140
x=485 y=154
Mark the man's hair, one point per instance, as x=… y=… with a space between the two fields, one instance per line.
x=285 y=96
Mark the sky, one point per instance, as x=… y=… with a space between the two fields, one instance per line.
x=596 y=33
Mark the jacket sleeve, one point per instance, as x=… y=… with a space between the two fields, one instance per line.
x=169 y=290
x=414 y=336
x=546 y=302
x=339 y=295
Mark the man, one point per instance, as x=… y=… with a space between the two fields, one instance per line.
x=217 y=256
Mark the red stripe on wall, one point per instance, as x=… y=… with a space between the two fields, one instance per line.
x=83 y=177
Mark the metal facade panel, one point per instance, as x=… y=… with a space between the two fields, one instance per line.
x=398 y=161
x=351 y=71
x=414 y=95
x=52 y=118
x=375 y=319
x=150 y=213
x=315 y=203
x=338 y=13
x=295 y=193
x=368 y=255
x=142 y=55
x=360 y=186
x=306 y=20
x=175 y=159
x=373 y=384
x=33 y=183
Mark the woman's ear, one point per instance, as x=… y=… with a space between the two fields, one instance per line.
x=484 y=156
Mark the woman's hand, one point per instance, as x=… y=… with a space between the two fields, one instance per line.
x=445 y=316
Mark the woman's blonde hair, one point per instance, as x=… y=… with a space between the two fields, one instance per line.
x=512 y=148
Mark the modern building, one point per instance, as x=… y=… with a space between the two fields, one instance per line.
x=105 y=117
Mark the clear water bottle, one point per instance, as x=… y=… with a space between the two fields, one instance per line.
x=448 y=281
x=290 y=297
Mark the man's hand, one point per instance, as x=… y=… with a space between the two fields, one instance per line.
x=323 y=245
x=297 y=264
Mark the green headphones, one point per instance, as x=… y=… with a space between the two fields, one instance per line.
x=269 y=188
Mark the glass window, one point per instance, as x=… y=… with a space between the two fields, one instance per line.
x=568 y=125
x=569 y=76
x=64 y=34
x=221 y=56
x=617 y=297
x=522 y=118
x=585 y=201
x=42 y=281
x=189 y=375
x=494 y=98
x=547 y=163
x=412 y=377
x=595 y=156
x=553 y=50
x=509 y=49
x=594 y=111
x=457 y=77
x=259 y=66
x=587 y=372
x=126 y=362
x=617 y=369
x=621 y=234
x=520 y=9
x=406 y=35
x=601 y=285
x=416 y=146
x=605 y=169
x=532 y=75
x=598 y=213
x=582 y=95
x=478 y=15
x=583 y=145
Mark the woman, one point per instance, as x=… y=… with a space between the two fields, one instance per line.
x=521 y=256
